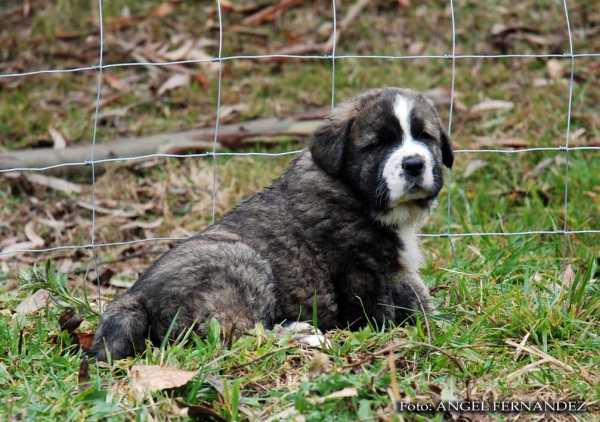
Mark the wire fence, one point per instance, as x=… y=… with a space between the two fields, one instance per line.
x=332 y=57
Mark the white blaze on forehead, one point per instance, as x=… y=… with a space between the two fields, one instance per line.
x=402 y=108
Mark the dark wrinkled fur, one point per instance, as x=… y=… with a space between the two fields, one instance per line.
x=311 y=236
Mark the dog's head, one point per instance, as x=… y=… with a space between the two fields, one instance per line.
x=389 y=145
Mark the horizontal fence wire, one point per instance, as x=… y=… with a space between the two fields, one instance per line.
x=333 y=57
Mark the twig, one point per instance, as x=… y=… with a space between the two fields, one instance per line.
x=231 y=135
x=270 y=13
x=404 y=344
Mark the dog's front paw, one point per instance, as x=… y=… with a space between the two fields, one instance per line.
x=303 y=332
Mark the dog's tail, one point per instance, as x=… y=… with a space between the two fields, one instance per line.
x=122 y=330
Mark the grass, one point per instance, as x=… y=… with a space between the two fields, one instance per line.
x=492 y=292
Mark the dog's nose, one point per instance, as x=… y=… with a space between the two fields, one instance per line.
x=413 y=166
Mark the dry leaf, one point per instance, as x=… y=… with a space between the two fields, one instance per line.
x=285 y=415
x=207 y=64
x=103 y=210
x=235 y=109
x=33 y=303
x=201 y=412
x=568 y=276
x=539 y=168
x=164 y=9
x=174 y=82
x=57 y=138
x=54 y=183
x=555 y=68
x=116 y=82
x=345 y=392
x=33 y=237
x=318 y=365
x=121 y=284
x=69 y=320
x=270 y=13
x=180 y=53
x=83 y=379
x=485 y=142
x=19 y=246
x=148 y=378
x=85 y=340
x=201 y=79
x=473 y=166
x=492 y=105
x=142 y=224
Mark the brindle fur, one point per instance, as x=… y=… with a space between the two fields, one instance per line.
x=312 y=237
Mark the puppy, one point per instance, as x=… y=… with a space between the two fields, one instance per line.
x=337 y=231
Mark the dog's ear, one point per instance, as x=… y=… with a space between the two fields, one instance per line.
x=328 y=144
x=447 y=153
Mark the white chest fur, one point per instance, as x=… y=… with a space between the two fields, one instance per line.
x=407 y=221
x=409 y=255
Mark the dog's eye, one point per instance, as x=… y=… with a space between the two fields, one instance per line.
x=371 y=147
x=426 y=137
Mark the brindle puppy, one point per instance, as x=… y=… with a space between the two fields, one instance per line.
x=339 y=228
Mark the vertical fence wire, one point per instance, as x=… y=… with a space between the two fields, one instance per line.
x=571 y=82
x=93 y=166
x=333 y=54
x=450 y=114
x=214 y=148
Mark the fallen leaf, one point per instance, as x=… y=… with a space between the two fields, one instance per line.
x=416 y=48
x=116 y=82
x=345 y=392
x=451 y=393
x=473 y=166
x=539 y=168
x=33 y=237
x=142 y=224
x=54 y=183
x=318 y=365
x=235 y=109
x=57 y=138
x=180 y=53
x=83 y=379
x=285 y=415
x=270 y=13
x=20 y=246
x=105 y=276
x=577 y=134
x=164 y=9
x=122 y=284
x=85 y=340
x=555 y=68
x=201 y=79
x=485 y=142
x=567 y=276
x=69 y=320
x=492 y=105
x=149 y=378
x=103 y=210
x=174 y=82
x=200 y=412
x=33 y=303
x=442 y=98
